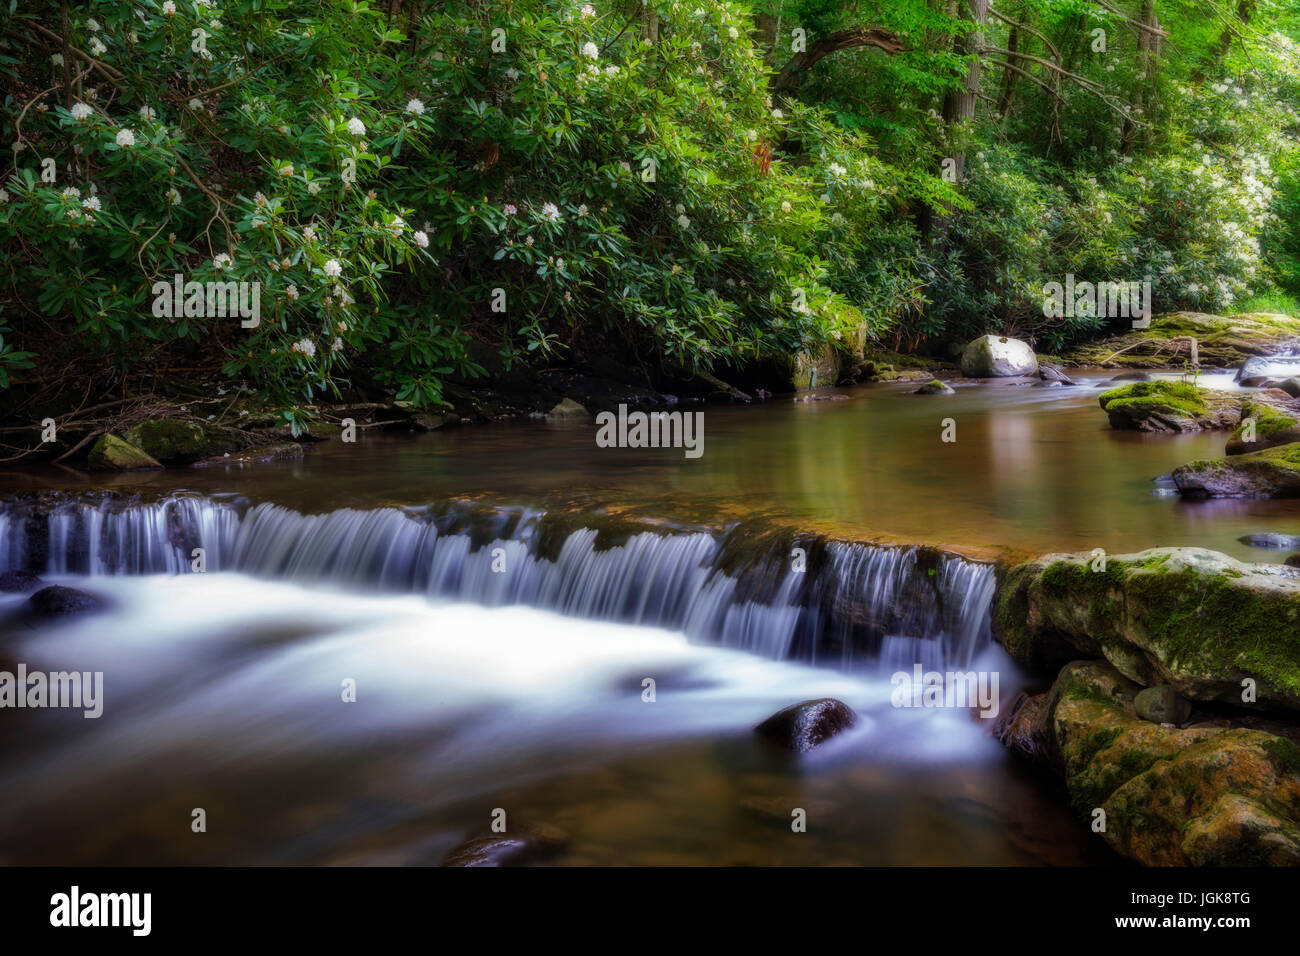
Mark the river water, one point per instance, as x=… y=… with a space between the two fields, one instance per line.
x=523 y=691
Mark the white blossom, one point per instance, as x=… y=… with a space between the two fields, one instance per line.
x=356 y=127
x=333 y=269
x=125 y=137
x=415 y=106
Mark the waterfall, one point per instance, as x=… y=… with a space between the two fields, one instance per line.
x=769 y=592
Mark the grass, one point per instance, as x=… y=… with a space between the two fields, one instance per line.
x=1273 y=301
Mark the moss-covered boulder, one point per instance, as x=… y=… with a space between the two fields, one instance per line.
x=1169 y=406
x=174 y=442
x=1212 y=794
x=1197 y=620
x=1222 y=341
x=1264 y=424
x=111 y=453
x=934 y=387
x=1271 y=473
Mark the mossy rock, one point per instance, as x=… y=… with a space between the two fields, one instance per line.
x=1205 y=795
x=1271 y=473
x=1197 y=620
x=1266 y=424
x=1222 y=341
x=1167 y=406
x=174 y=442
x=111 y=453
x=1201 y=796
x=934 y=387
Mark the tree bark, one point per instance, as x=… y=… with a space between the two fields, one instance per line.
x=792 y=74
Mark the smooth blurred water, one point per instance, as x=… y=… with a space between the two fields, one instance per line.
x=224 y=692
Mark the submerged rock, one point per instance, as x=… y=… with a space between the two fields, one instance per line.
x=803 y=726
x=58 y=601
x=19 y=582
x=534 y=844
x=1050 y=373
x=1271 y=473
x=1167 y=406
x=934 y=387
x=1197 y=620
x=1134 y=377
x=1207 y=795
x=111 y=453
x=567 y=408
x=1271 y=539
x=994 y=356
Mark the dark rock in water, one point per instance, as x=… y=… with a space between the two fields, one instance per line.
x=1050 y=373
x=19 y=582
x=536 y=843
x=1133 y=377
x=1271 y=539
x=1024 y=728
x=1258 y=367
x=934 y=387
x=58 y=601
x=1292 y=560
x=1256 y=381
x=1162 y=705
x=1291 y=386
x=801 y=727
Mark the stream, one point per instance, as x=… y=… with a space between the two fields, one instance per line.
x=500 y=656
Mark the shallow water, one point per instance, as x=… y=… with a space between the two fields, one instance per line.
x=1032 y=469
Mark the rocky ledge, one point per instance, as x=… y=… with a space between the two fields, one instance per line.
x=1195 y=619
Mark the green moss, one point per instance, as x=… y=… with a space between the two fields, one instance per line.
x=172 y=441
x=1177 y=397
x=1284 y=753
x=1268 y=420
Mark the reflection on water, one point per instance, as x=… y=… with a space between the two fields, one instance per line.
x=224 y=692
x=1032 y=469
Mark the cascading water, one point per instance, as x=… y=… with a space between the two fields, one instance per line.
x=853 y=603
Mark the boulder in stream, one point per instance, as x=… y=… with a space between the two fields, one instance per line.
x=1169 y=406
x=59 y=601
x=934 y=387
x=111 y=453
x=996 y=356
x=801 y=727
x=1200 y=621
x=1271 y=473
x=1212 y=794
